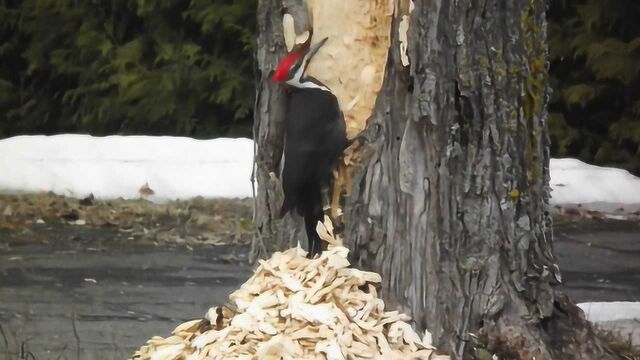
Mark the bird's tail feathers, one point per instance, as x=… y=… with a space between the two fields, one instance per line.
x=284 y=209
x=313 y=213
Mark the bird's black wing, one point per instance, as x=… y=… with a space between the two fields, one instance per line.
x=315 y=138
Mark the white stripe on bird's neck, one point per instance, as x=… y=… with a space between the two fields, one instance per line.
x=299 y=82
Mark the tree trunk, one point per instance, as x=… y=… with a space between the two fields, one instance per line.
x=268 y=130
x=450 y=200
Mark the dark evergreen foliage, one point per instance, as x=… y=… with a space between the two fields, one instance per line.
x=178 y=67
x=595 y=68
x=184 y=67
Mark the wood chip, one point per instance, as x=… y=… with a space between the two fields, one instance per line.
x=298 y=308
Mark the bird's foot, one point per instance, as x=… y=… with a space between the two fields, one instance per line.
x=315 y=248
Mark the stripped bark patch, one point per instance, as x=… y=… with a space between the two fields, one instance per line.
x=352 y=64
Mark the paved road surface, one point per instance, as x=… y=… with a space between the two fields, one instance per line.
x=600 y=262
x=119 y=297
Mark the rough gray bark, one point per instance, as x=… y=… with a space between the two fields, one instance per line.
x=450 y=204
x=272 y=233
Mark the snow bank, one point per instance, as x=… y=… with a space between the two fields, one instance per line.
x=179 y=168
x=575 y=182
x=117 y=166
x=611 y=311
x=620 y=317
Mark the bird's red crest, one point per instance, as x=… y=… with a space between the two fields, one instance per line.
x=282 y=72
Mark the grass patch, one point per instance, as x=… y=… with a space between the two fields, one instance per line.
x=619 y=343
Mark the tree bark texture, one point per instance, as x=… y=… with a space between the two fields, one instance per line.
x=270 y=108
x=450 y=202
x=451 y=205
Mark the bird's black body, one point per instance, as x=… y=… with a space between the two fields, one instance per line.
x=315 y=139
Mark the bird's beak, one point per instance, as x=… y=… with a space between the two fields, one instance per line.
x=314 y=49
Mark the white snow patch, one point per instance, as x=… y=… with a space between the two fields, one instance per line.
x=575 y=182
x=620 y=317
x=180 y=168
x=117 y=166
x=611 y=311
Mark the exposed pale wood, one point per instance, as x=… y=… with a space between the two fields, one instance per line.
x=450 y=200
x=358 y=30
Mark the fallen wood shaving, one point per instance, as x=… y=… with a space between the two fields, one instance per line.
x=282 y=312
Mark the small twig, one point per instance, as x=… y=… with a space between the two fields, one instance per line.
x=256 y=249
x=6 y=342
x=75 y=334
x=116 y=350
x=23 y=354
x=254 y=163
x=64 y=348
x=14 y=334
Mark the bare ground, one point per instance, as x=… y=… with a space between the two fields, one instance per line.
x=94 y=281
x=41 y=218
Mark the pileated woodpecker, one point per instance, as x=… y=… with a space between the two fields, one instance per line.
x=315 y=137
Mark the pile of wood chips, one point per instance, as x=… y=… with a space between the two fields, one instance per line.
x=299 y=308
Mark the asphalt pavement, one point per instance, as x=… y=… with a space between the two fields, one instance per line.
x=71 y=299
